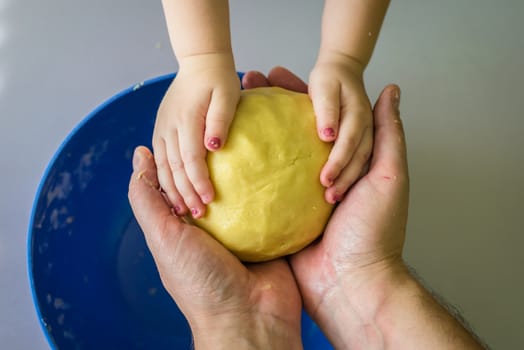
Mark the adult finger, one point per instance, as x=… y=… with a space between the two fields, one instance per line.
x=282 y=77
x=150 y=209
x=389 y=158
x=254 y=79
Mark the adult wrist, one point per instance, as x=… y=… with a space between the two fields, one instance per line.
x=352 y=311
x=245 y=331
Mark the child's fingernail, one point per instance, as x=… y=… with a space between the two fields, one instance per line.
x=213 y=143
x=194 y=212
x=337 y=197
x=328 y=132
x=206 y=199
x=177 y=210
x=137 y=157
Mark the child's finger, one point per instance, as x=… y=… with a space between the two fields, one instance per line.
x=182 y=183
x=193 y=156
x=352 y=171
x=148 y=205
x=165 y=178
x=351 y=131
x=325 y=95
x=219 y=116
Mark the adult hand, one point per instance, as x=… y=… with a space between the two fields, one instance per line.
x=353 y=281
x=360 y=252
x=362 y=243
x=364 y=238
x=366 y=231
x=227 y=304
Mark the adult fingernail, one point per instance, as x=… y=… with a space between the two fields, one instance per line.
x=213 y=143
x=328 y=132
x=194 y=212
x=137 y=157
x=395 y=98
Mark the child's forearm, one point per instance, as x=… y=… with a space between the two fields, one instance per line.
x=199 y=28
x=351 y=27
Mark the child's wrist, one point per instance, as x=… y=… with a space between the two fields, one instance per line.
x=338 y=57
x=209 y=60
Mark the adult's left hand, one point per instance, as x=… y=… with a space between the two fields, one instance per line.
x=226 y=303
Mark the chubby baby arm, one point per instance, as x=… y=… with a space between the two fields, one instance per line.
x=198 y=107
x=349 y=33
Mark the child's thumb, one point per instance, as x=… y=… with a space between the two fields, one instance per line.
x=326 y=103
x=219 y=116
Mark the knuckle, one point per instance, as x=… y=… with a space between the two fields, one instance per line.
x=218 y=118
x=337 y=164
x=329 y=114
x=176 y=165
x=347 y=144
x=361 y=114
x=191 y=159
x=162 y=163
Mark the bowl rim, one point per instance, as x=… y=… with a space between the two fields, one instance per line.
x=45 y=175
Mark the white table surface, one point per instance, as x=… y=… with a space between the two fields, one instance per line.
x=460 y=66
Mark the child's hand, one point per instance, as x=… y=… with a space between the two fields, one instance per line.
x=195 y=114
x=344 y=116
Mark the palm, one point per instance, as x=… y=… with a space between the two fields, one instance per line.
x=210 y=277
x=368 y=226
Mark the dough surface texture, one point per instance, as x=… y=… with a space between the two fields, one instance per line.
x=269 y=201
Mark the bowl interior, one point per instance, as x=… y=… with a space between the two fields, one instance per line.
x=95 y=285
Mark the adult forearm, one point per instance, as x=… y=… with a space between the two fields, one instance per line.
x=351 y=27
x=391 y=310
x=198 y=27
x=411 y=318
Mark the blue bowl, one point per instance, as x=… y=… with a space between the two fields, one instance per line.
x=94 y=282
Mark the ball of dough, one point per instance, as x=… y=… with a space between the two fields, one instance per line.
x=269 y=201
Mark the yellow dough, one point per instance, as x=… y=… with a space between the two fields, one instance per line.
x=269 y=201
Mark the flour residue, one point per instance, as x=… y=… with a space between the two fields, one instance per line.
x=84 y=171
x=60 y=304
x=60 y=218
x=61 y=189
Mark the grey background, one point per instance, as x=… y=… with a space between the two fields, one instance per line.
x=459 y=64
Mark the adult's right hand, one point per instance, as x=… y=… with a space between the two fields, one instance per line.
x=344 y=277
x=353 y=281
x=366 y=231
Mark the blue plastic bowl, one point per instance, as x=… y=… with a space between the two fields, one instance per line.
x=94 y=282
